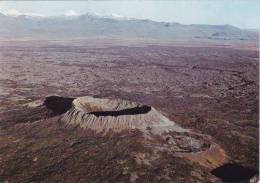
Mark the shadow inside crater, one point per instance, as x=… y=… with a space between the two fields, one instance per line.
x=131 y=111
x=58 y=105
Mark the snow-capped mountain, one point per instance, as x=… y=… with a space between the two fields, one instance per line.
x=75 y=26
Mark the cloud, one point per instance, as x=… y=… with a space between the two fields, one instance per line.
x=71 y=13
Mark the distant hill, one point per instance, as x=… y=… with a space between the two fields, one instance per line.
x=85 y=26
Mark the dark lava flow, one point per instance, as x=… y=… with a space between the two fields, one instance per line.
x=234 y=173
x=58 y=105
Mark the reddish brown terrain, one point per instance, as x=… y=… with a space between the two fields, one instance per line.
x=209 y=89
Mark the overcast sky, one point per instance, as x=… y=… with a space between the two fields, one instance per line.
x=241 y=13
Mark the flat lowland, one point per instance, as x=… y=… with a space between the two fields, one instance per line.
x=209 y=88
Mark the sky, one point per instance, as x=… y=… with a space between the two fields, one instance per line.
x=240 y=13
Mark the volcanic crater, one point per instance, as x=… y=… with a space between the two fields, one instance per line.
x=103 y=114
x=210 y=89
x=106 y=116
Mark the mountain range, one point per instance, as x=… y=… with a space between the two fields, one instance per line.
x=88 y=26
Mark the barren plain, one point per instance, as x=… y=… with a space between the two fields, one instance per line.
x=210 y=89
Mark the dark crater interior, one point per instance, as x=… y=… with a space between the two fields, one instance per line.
x=131 y=111
x=234 y=173
x=58 y=105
